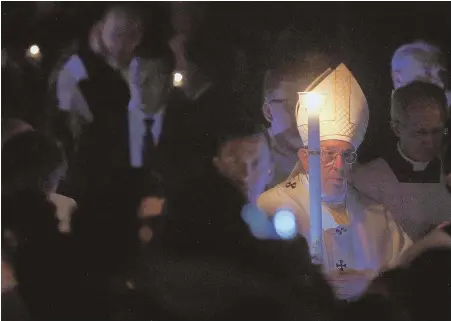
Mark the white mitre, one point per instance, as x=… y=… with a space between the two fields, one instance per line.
x=345 y=114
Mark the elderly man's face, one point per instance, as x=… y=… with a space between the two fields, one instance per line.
x=247 y=163
x=121 y=34
x=336 y=159
x=422 y=133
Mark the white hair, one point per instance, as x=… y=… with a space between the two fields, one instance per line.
x=408 y=50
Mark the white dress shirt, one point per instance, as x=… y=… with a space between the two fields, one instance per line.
x=71 y=99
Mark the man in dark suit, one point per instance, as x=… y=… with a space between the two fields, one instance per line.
x=195 y=111
x=93 y=95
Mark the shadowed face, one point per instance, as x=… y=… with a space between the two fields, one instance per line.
x=121 y=34
x=154 y=80
x=422 y=133
x=279 y=108
x=247 y=163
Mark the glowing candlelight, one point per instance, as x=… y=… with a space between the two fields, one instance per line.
x=313 y=102
x=177 y=79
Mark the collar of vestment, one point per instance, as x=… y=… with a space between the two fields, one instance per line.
x=409 y=171
x=298 y=189
x=416 y=166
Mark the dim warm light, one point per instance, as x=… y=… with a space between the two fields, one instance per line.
x=34 y=50
x=178 y=79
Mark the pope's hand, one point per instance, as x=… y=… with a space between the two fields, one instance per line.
x=350 y=283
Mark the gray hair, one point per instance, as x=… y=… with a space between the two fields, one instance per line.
x=404 y=97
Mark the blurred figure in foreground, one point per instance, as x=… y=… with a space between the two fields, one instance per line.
x=32 y=227
x=35 y=162
x=420 y=286
x=195 y=111
x=212 y=266
x=93 y=95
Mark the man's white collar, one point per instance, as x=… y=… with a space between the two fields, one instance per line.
x=417 y=166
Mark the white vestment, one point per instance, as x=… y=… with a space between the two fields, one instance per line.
x=415 y=206
x=368 y=239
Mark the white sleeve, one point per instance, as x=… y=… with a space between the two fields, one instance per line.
x=68 y=94
x=399 y=242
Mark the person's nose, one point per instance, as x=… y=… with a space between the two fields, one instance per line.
x=339 y=162
x=245 y=173
x=428 y=140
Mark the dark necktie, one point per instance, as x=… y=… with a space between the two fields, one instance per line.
x=148 y=143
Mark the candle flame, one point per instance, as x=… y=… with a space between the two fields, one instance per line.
x=312 y=101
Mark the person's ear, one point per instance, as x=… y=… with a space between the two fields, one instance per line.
x=303 y=157
x=218 y=165
x=394 y=124
x=266 y=109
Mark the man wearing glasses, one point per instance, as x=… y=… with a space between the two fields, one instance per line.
x=359 y=235
x=280 y=97
x=408 y=180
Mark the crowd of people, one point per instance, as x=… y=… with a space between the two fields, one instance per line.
x=146 y=198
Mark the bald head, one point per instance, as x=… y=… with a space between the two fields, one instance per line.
x=418 y=61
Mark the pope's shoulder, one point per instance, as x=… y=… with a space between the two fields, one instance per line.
x=278 y=196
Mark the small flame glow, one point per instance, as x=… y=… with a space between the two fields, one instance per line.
x=178 y=79
x=34 y=50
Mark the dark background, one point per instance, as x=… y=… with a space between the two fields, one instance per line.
x=363 y=35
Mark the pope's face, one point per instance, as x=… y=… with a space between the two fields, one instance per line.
x=247 y=163
x=336 y=159
x=280 y=107
x=422 y=133
x=121 y=35
x=335 y=168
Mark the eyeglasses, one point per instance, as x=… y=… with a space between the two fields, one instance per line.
x=328 y=156
x=424 y=133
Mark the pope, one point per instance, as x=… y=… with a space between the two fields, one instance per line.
x=360 y=236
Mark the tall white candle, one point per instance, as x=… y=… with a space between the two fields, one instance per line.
x=313 y=102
